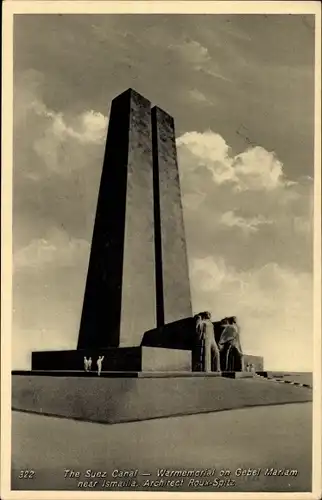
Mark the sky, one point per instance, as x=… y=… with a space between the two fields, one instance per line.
x=241 y=91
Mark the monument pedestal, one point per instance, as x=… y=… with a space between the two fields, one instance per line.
x=122 y=359
x=170 y=348
x=238 y=374
x=140 y=396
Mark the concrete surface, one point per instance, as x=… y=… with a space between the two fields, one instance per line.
x=298 y=377
x=113 y=400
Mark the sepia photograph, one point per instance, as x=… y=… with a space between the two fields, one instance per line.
x=161 y=220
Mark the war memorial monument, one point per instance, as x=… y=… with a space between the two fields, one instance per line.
x=137 y=309
x=137 y=314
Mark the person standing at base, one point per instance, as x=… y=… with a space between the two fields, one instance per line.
x=99 y=364
x=89 y=362
x=85 y=364
x=211 y=348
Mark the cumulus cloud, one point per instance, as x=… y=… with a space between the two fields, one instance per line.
x=48 y=142
x=257 y=168
x=243 y=202
x=90 y=126
x=254 y=169
x=53 y=146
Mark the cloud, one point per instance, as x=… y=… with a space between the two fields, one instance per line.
x=243 y=206
x=257 y=168
x=57 y=250
x=47 y=141
x=58 y=137
x=197 y=57
x=273 y=305
x=199 y=97
x=250 y=225
x=254 y=169
x=58 y=159
x=193 y=53
x=89 y=126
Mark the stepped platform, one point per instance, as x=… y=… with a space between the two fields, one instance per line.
x=124 y=397
x=113 y=374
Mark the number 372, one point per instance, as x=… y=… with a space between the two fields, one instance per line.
x=26 y=474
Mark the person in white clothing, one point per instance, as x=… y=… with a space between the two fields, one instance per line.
x=85 y=364
x=89 y=364
x=99 y=364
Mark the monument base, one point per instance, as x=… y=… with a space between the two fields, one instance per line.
x=237 y=374
x=142 y=397
x=181 y=334
x=121 y=359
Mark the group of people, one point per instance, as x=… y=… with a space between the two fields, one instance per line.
x=224 y=355
x=88 y=364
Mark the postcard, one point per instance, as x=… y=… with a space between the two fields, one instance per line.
x=161 y=242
